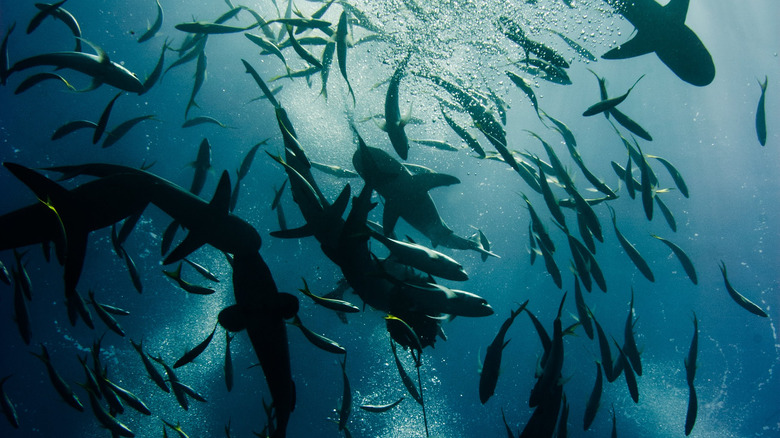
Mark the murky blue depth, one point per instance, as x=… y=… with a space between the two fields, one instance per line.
x=708 y=133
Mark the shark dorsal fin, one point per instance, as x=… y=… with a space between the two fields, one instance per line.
x=339 y=206
x=185 y=248
x=221 y=199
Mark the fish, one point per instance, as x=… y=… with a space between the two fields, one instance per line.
x=177 y=428
x=329 y=303
x=394 y=121
x=196 y=351
x=631 y=251
x=123 y=128
x=42 y=14
x=438 y=144
x=549 y=199
x=4 y=62
x=200 y=77
x=592 y=406
x=690 y=373
x=228 y=366
x=606 y=353
x=675 y=174
x=206 y=28
x=608 y=104
x=200 y=120
x=40 y=77
x=202 y=164
x=341 y=53
x=381 y=408
x=99 y=67
x=104 y=316
x=155 y=27
x=5 y=277
x=131 y=399
x=513 y=31
x=662 y=29
x=549 y=263
x=178 y=391
x=318 y=340
x=67 y=18
x=266 y=91
x=199 y=46
x=346 y=397
x=21 y=312
x=187 y=286
x=202 y=271
x=407 y=381
x=302 y=52
x=424 y=259
x=582 y=51
x=106 y=419
x=63 y=389
x=739 y=298
x=693 y=407
x=628 y=372
x=583 y=312
x=103 y=121
x=156 y=73
x=334 y=170
x=523 y=84
x=269 y=47
x=488 y=377
x=761 y=113
x=686 y=262
x=8 y=407
x=549 y=381
x=155 y=375
x=470 y=140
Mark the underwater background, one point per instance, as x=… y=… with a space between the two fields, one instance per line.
x=709 y=134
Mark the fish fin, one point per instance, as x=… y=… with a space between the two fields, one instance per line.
x=390 y=217
x=102 y=55
x=406 y=117
x=294 y=233
x=505 y=344
x=340 y=204
x=428 y=181
x=221 y=199
x=637 y=46
x=232 y=319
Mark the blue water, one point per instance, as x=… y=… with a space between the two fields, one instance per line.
x=708 y=133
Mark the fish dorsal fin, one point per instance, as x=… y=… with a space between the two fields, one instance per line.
x=677 y=10
x=390 y=216
x=637 y=46
x=221 y=199
x=428 y=181
x=232 y=319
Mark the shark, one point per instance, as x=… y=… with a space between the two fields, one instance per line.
x=662 y=29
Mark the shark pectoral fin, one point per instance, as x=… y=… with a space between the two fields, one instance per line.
x=185 y=248
x=287 y=305
x=390 y=217
x=294 y=233
x=637 y=46
x=232 y=319
x=428 y=181
x=92 y=85
x=221 y=199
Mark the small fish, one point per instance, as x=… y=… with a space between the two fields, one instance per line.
x=202 y=271
x=341 y=52
x=40 y=77
x=761 y=113
x=103 y=121
x=202 y=164
x=628 y=372
x=346 y=397
x=190 y=355
x=683 y=257
x=488 y=376
x=131 y=399
x=330 y=303
x=155 y=27
x=176 y=429
x=188 y=287
x=592 y=406
x=303 y=53
x=21 y=312
x=67 y=18
x=123 y=128
x=70 y=127
x=690 y=373
x=42 y=14
x=525 y=86
x=104 y=316
x=10 y=411
x=156 y=73
x=381 y=408
x=668 y=216
x=318 y=340
x=202 y=120
x=155 y=375
x=107 y=420
x=205 y=28
x=178 y=390
x=228 y=367
x=133 y=270
x=269 y=47
x=582 y=309
x=407 y=381
x=739 y=298
x=676 y=176
x=63 y=389
x=438 y=144
x=470 y=140
x=585 y=53
x=608 y=104
x=335 y=170
x=606 y=353
x=632 y=252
